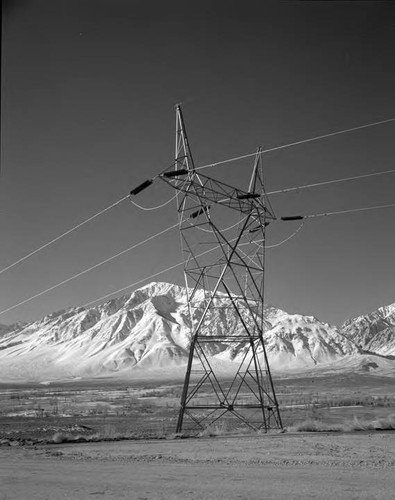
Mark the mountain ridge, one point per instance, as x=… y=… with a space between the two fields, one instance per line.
x=149 y=329
x=373 y=332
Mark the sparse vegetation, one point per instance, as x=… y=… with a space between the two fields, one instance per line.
x=61 y=437
x=218 y=429
x=99 y=412
x=356 y=424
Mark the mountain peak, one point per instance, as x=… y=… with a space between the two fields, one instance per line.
x=374 y=332
x=150 y=328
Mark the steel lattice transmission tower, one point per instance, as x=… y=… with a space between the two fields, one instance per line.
x=224 y=274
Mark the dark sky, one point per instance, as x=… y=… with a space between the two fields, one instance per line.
x=88 y=95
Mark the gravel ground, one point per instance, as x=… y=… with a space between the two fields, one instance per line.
x=295 y=466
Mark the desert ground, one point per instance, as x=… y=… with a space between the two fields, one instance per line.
x=325 y=465
x=116 y=439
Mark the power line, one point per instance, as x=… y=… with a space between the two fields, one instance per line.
x=286 y=239
x=63 y=235
x=147 y=183
x=152 y=208
x=69 y=231
x=326 y=214
x=286 y=190
x=134 y=284
x=151 y=276
x=211 y=249
x=109 y=259
x=182 y=262
x=352 y=210
x=67 y=280
x=303 y=141
x=258 y=242
x=222 y=230
x=54 y=240
x=334 y=181
x=174 y=266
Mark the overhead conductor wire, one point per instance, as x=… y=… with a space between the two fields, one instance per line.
x=333 y=181
x=63 y=235
x=286 y=239
x=211 y=249
x=150 y=181
x=316 y=138
x=152 y=208
x=349 y=211
x=67 y=280
x=290 y=218
x=69 y=231
x=296 y=143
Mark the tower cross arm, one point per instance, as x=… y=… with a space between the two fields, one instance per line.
x=212 y=191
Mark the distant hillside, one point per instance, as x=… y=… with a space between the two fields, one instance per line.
x=149 y=330
x=374 y=332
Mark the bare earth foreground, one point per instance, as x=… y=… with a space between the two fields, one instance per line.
x=324 y=465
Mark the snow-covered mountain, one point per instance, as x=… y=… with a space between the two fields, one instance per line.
x=149 y=330
x=374 y=332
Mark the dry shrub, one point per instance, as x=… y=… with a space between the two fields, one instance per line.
x=378 y=424
x=356 y=424
x=387 y=423
x=218 y=429
x=211 y=431
x=110 y=431
x=61 y=437
x=311 y=425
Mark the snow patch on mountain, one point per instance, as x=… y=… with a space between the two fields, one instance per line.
x=374 y=332
x=150 y=330
x=305 y=339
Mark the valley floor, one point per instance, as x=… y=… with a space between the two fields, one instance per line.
x=281 y=466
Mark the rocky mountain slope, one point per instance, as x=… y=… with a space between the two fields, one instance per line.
x=374 y=332
x=149 y=330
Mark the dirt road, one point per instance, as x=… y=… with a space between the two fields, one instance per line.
x=349 y=466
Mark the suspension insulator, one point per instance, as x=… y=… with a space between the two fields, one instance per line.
x=141 y=187
x=176 y=173
x=293 y=217
x=248 y=196
x=199 y=212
